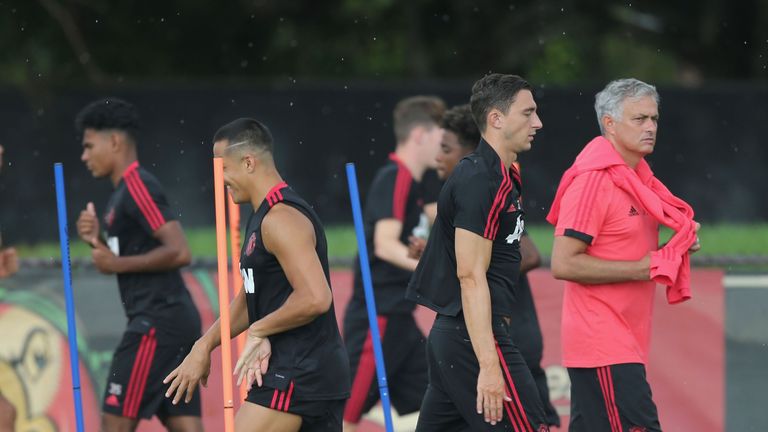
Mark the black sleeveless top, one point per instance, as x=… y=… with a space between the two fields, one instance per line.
x=311 y=357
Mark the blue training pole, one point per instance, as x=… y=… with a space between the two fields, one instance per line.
x=370 y=302
x=66 y=272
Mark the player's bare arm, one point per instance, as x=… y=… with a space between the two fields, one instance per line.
x=172 y=253
x=473 y=255
x=388 y=247
x=290 y=237
x=530 y=258
x=570 y=261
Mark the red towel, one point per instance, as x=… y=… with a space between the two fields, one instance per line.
x=671 y=264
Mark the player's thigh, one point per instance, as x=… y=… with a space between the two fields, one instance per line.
x=256 y=418
x=115 y=423
x=633 y=397
x=183 y=424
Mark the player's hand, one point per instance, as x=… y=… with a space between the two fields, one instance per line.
x=697 y=244
x=491 y=394
x=254 y=360
x=104 y=259
x=416 y=247
x=9 y=262
x=88 y=225
x=192 y=371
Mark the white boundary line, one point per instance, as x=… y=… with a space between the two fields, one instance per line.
x=746 y=281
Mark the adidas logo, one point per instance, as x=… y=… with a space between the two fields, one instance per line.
x=112 y=401
x=633 y=211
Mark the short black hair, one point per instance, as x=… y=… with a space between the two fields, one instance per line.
x=109 y=113
x=495 y=91
x=246 y=131
x=459 y=121
x=416 y=111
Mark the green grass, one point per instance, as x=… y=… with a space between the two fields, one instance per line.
x=717 y=240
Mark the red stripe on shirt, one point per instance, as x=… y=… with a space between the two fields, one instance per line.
x=141 y=195
x=491 y=225
x=517 y=407
x=139 y=199
x=274 y=399
x=588 y=200
x=361 y=385
x=274 y=195
x=403 y=182
x=142 y=189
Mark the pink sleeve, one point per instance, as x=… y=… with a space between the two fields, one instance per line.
x=584 y=205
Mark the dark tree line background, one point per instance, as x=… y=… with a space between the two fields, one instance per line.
x=67 y=42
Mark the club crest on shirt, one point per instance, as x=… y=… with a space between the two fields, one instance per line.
x=251 y=244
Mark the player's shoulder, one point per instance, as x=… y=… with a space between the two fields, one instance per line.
x=600 y=179
x=472 y=167
x=285 y=222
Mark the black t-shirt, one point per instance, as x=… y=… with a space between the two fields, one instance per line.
x=481 y=196
x=392 y=195
x=313 y=355
x=431 y=185
x=137 y=208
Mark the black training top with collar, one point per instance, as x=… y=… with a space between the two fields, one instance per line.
x=481 y=196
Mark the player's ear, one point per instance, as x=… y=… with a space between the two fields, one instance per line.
x=495 y=118
x=249 y=163
x=608 y=124
x=114 y=141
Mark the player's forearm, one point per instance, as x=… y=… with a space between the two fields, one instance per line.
x=161 y=258
x=297 y=311
x=476 y=305
x=395 y=253
x=238 y=322
x=586 y=269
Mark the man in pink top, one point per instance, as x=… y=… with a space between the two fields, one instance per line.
x=603 y=240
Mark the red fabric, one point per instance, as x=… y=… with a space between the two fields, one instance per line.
x=140 y=194
x=670 y=265
x=402 y=188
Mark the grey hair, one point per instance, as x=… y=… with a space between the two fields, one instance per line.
x=609 y=100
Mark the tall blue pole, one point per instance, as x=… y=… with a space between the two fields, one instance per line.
x=370 y=301
x=66 y=272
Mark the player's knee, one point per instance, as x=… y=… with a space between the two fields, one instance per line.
x=183 y=424
x=113 y=423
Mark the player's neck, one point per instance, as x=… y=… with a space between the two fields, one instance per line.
x=264 y=183
x=405 y=153
x=507 y=156
x=120 y=166
x=630 y=158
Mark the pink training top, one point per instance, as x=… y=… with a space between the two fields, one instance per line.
x=610 y=323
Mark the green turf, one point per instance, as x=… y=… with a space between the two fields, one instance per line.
x=719 y=239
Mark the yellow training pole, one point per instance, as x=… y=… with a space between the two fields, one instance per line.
x=237 y=279
x=221 y=252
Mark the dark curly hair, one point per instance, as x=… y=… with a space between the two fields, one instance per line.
x=109 y=113
x=459 y=121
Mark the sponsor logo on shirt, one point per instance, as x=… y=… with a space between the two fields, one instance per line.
x=248 y=282
x=519 y=227
x=633 y=211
